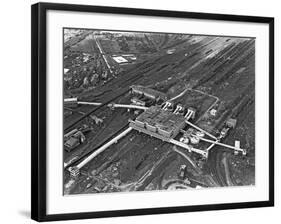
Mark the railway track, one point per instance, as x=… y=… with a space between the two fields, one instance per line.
x=210 y=67
x=224 y=74
x=142 y=70
x=95 y=109
x=216 y=155
x=98 y=146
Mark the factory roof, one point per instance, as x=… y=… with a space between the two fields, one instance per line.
x=148 y=92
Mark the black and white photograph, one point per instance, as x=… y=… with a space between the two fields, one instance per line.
x=140 y=112
x=149 y=111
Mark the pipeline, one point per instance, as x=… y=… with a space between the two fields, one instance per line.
x=221 y=144
x=91 y=111
x=200 y=129
x=113 y=105
x=189 y=148
x=102 y=148
x=89 y=103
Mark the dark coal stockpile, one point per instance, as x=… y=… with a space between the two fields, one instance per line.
x=157 y=111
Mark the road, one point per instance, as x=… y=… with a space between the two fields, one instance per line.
x=103 y=54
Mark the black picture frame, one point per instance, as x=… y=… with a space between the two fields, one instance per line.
x=38 y=108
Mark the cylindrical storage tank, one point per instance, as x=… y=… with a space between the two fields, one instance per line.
x=186 y=140
x=200 y=134
x=182 y=139
x=194 y=140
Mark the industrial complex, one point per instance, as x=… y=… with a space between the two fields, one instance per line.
x=164 y=122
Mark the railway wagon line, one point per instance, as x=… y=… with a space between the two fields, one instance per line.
x=78 y=160
x=93 y=110
x=213 y=74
